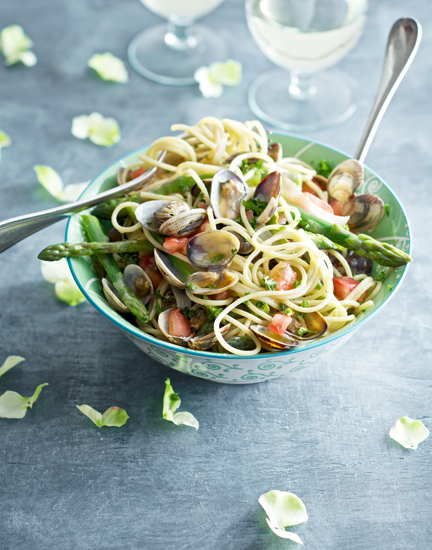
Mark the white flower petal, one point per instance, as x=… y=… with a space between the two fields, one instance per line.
x=56 y=271
x=73 y=191
x=284 y=534
x=109 y=67
x=408 y=432
x=13 y=41
x=101 y=131
x=49 y=178
x=27 y=58
x=81 y=127
x=10 y=362
x=171 y=402
x=283 y=510
x=5 y=140
x=68 y=292
x=227 y=74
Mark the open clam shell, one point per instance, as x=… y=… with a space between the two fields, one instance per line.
x=312 y=322
x=245 y=246
x=163 y=323
x=269 y=191
x=207 y=340
x=345 y=179
x=183 y=224
x=275 y=151
x=168 y=269
x=273 y=340
x=138 y=280
x=169 y=210
x=144 y=214
x=112 y=296
x=212 y=249
x=227 y=193
x=365 y=212
x=211 y=282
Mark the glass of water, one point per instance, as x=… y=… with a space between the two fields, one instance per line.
x=170 y=54
x=304 y=37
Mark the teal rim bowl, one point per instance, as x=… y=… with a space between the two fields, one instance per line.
x=393 y=228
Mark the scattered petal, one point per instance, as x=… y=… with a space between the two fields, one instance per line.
x=5 y=140
x=171 y=402
x=227 y=74
x=101 y=131
x=109 y=67
x=66 y=288
x=10 y=362
x=15 y=46
x=408 y=432
x=49 y=179
x=13 y=405
x=53 y=183
x=207 y=87
x=114 y=416
x=283 y=510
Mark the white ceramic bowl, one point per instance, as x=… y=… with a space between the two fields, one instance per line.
x=231 y=369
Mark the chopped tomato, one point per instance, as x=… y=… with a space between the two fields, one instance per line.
x=148 y=264
x=343 y=286
x=309 y=190
x=178 y=325
x=284 y=276
x=136 y=173
x=279 y=323
x=202 y=205
x=337 y=207
x=249 y=215
x=174 y=244
x=202 y=227
x=224 y=295
x=320 y=203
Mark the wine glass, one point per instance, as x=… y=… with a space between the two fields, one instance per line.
x=170 y=54
x=304 y=37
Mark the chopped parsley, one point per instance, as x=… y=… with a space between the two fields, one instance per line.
x=213 y=312
x=162 y=298
x=234 y=251
x=268 y=283
x=390 y=288
x=304 y=303
x=256 y=205
x=296 y=283
x=381 y=276
x=351 y=311
x=263 y=306
x=159 y=308
x=286 y=310
x=188 y=312
x=319 y=286
x=130 y=257
x=257 y=167
x=324 y=168
x=191 y=286
x=247 y=301
x=387 y=209
x=302 y=331
x=217 y=258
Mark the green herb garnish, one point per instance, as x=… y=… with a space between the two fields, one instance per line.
x=296 y=283
x=268 y=283
x=217 y=258
x=256 y=205
x=381 y=276
x=188 y=312
x=387 y=209
x=324 y=168
x=390 y=288
x=302 y=331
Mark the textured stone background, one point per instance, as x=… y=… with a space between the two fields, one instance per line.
x=320 y=433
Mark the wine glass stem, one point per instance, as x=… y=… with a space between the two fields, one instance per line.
x=180 y=35
x=302 y=86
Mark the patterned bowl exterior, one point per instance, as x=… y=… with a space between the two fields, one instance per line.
x=226 y=368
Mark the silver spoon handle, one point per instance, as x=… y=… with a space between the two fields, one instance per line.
x=402 y=45
x=16 y=229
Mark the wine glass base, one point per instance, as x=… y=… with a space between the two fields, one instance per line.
x=151 y=57
x=333 y=103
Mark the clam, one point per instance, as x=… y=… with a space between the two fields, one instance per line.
x=163 y=323
x=308 y=327
x=211 y=282
x=273 y=340
x=183 y=224
x=181 y=297
x=268 y=191
x=365 y=212
x=170 y=209
x=245 y=246
x=345 y=179
x=244 y=343
x=138 y=280
x=358 y=264
x=321 y=181
x=168 y=269
x=275 y=151
x=144 y=214
x=212 y=250
x=207 y=340
x=227 y=193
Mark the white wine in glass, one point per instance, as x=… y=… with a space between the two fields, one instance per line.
x=304 y=37
x=170 y=54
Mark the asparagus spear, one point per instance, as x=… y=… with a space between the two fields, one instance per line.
x=363 y=245
x=55 y=252
x=94 y=232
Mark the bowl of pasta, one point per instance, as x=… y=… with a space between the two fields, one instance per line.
x=246 y=257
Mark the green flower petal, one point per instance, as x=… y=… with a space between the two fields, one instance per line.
x=14 y=45
x=10 y=362
x=109 y=67
x=49 y=179
x=5 y=140
x=227 y=74
x=171 y=402
x=408 y=432
x=101 y=131
x=68 y=292
x=284 y=510
x=71 y=193
x=13 y=405
x=66 y=288
x=114 y=416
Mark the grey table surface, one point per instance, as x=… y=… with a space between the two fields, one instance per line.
x=321 y=433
